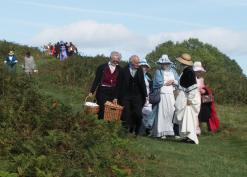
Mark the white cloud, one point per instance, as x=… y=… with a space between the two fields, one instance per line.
x=229 y=41
x=98 y=38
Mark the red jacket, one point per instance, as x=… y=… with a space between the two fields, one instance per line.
x=214 y=121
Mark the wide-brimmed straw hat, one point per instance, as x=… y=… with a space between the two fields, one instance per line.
x=144 y=62
x=164 y=60
x=198 y=66
x=185 y=59
x=11 y=52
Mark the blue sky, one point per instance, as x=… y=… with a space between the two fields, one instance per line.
x=131 y=27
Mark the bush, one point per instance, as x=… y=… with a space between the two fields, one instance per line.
x=42 y=137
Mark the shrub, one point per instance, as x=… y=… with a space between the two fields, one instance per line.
x=42 y=137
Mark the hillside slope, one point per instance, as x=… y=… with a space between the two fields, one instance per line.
x=44 y=133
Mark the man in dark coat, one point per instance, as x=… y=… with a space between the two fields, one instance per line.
x=107 y=82
x=133 y=95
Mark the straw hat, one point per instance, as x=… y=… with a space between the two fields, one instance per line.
x=11 y=52
x=185 y=59
x=198 y=66
x=144 y=63
x=164 y=60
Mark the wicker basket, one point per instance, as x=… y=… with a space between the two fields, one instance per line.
x=89 y=109
x=112 y=111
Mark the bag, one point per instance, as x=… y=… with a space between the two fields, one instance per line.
x=154 y=97
x=147 y=109
x=207 y=98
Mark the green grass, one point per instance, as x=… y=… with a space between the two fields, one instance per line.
x=223 y=154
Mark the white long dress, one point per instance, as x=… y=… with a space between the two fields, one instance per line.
x=187 y=115
x=163 y=121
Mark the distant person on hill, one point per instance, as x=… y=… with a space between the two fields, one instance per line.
x=107 y=82
x=72 y=49
x=63 y=51
x=187 y=105
x=133 y=95
x=30 y=65
x=10 y=62
x=53 y=51
x=57 y=50
x=67 y=48
x=147 y=109
x=207 y=112
x=165 y=79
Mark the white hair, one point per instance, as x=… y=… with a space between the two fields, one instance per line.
x=114 y=53
x=132 y=57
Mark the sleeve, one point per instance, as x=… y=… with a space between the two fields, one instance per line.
x=157 y=81
x=143 y=85
x=118 y=86
x=150 y=82
x=16 y=61
x=191 y=96
x=5 y=60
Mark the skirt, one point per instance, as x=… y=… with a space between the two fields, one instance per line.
x=163 y=124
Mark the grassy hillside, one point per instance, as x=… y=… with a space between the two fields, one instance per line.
x=44 y=133
x=170 y=158
x=19 y=50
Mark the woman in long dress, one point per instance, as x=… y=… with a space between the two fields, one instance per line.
x=164 y=79
x=188 y=102
x=207 y=112
x=204 y=113
x=63 y=52
x=147 y=108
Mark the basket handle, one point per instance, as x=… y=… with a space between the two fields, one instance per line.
x=87 y=99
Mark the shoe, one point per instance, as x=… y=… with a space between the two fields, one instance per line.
x=177 y=137
x=147 y=131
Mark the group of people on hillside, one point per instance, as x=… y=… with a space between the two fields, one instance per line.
x=161 y=106
x=11 y=61
x=61 y=50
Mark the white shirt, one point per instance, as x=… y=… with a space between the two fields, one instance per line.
x=10 y=58
x=168 y=75
x=112 y=67
x=132 y=71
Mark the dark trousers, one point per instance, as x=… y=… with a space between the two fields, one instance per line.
x=176 y=129
x=132 y=113
x=104 y=94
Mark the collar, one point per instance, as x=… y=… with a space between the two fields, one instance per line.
x=112 y=65
x=131 y=67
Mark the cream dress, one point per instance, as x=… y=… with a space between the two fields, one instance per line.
x=163 y=121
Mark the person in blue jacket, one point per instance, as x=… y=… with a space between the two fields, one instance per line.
x=166 y=80
x=10 y=62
